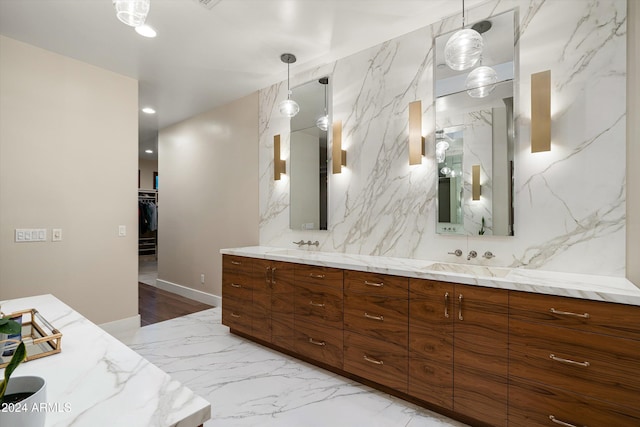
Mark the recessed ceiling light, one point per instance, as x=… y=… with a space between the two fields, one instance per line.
x=148 y=151
x=146 y=31
x=148 y=110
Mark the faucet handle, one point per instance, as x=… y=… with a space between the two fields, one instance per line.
x=457 y=252
x=472 y=254
x=300 y=243
x=488 y=255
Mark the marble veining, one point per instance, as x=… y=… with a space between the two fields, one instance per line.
x=101 y=380
x=569 y=203
x=592 y=287
x=250 y=385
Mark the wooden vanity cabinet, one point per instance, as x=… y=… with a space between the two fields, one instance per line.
x=376 y=333
x=466 y=324
x=237 y=293
x=318 y=308
x=573 y=361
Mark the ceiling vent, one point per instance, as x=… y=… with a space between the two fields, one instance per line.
x=208 y=4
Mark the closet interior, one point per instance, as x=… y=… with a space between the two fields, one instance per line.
x=148 y=224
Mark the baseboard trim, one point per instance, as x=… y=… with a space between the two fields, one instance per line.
x=190 y=293
x=121 y=325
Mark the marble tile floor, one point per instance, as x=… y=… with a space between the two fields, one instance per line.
x=250 y=385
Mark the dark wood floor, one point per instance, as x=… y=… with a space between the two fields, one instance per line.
x=156 y=305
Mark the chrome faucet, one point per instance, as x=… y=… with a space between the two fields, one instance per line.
x=472 y=254
x=308 y=243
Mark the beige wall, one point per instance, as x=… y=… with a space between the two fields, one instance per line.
x=147 y=168
x=633 y=143
x=68 y=159
x=209 y=170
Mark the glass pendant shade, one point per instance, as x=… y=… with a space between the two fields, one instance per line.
x=288 y=107
x=442 y=146
x=323 y=123
x=441 y=156
x=463 y=49
x=445 y=170
x=481 y=82
x=132 y=12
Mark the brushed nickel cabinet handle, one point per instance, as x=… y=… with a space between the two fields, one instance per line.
x=372 y=360
x=446 y=305
x=316 y=304
x=377 y=285
x=267 y=274
x=369 y=316
x=460 y=307
x=273 y=275
x=569 y=361
x=314 y=342
x=562 y=423
x=316 y=276
x=568 y=313
x=235 y=285
x=235 y=315
x=236 y=263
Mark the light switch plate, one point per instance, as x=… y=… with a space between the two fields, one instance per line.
x=122 y=230
x=56 y=235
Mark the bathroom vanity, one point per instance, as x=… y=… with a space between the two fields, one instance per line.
x=486 y=345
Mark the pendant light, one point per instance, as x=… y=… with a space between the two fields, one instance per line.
x=323 y=122
x=464 y=47
x=132 y=12
x=481 y=82
x=288 y=107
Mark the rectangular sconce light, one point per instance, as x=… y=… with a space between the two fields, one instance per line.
x=279 y=166
x=338 y=155
x=416 y=141
x=475 y=182
x=541 y=111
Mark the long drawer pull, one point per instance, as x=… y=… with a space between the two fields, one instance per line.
x=267 y=274
x=377 y=285
x=316 y=304
x=369 y=316
x=316 y=276
x=235 y=285
x=314 y=342
x=568 y=313
x=372 y=360
x=236 y=263
x=569 y=361
x=235 y=315
x=446 y=305
x=562 y=423
x=460 y=307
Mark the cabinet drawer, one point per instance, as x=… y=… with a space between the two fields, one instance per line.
x=592 y=316
x=323 y=276
x=237 y=264
x=376 y=360
x=533 y=405
x=431 y=381
x=236 y=315
x=236 y=286
x=377 y=317
x=320 y=343
x=378 y=284
x=318 y=304
x=599 y=366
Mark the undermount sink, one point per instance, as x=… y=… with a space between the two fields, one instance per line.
x=474 y=270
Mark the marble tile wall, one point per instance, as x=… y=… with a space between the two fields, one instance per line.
x=569 y=202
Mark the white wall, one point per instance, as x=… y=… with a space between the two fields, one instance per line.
x=68 y=159
x=147 y=167
x=208 y=165
x=570 y=203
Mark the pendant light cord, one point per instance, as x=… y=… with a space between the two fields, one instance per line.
x=288 y=89
x=462 y=13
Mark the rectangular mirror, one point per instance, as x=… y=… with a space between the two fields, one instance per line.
x=308 y=156
x=475 y=131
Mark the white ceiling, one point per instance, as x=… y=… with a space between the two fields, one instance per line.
x=203 y=58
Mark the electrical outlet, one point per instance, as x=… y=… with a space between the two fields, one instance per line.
x=56 y=235
x=202 y=279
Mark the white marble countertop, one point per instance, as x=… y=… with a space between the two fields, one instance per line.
x=100 y=380
x=598 y=288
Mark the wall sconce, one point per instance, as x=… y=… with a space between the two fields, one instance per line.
x=279 y=166
x=475 y=182
x=541 y=111
x=416 y=140
x=338 y=155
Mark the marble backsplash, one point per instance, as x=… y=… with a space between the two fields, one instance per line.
x=569 y=202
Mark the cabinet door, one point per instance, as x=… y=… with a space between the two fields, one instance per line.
x=481 y=353
x=282 y=298
x=431 y=341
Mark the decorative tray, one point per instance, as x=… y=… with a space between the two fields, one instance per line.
x=39 y=336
